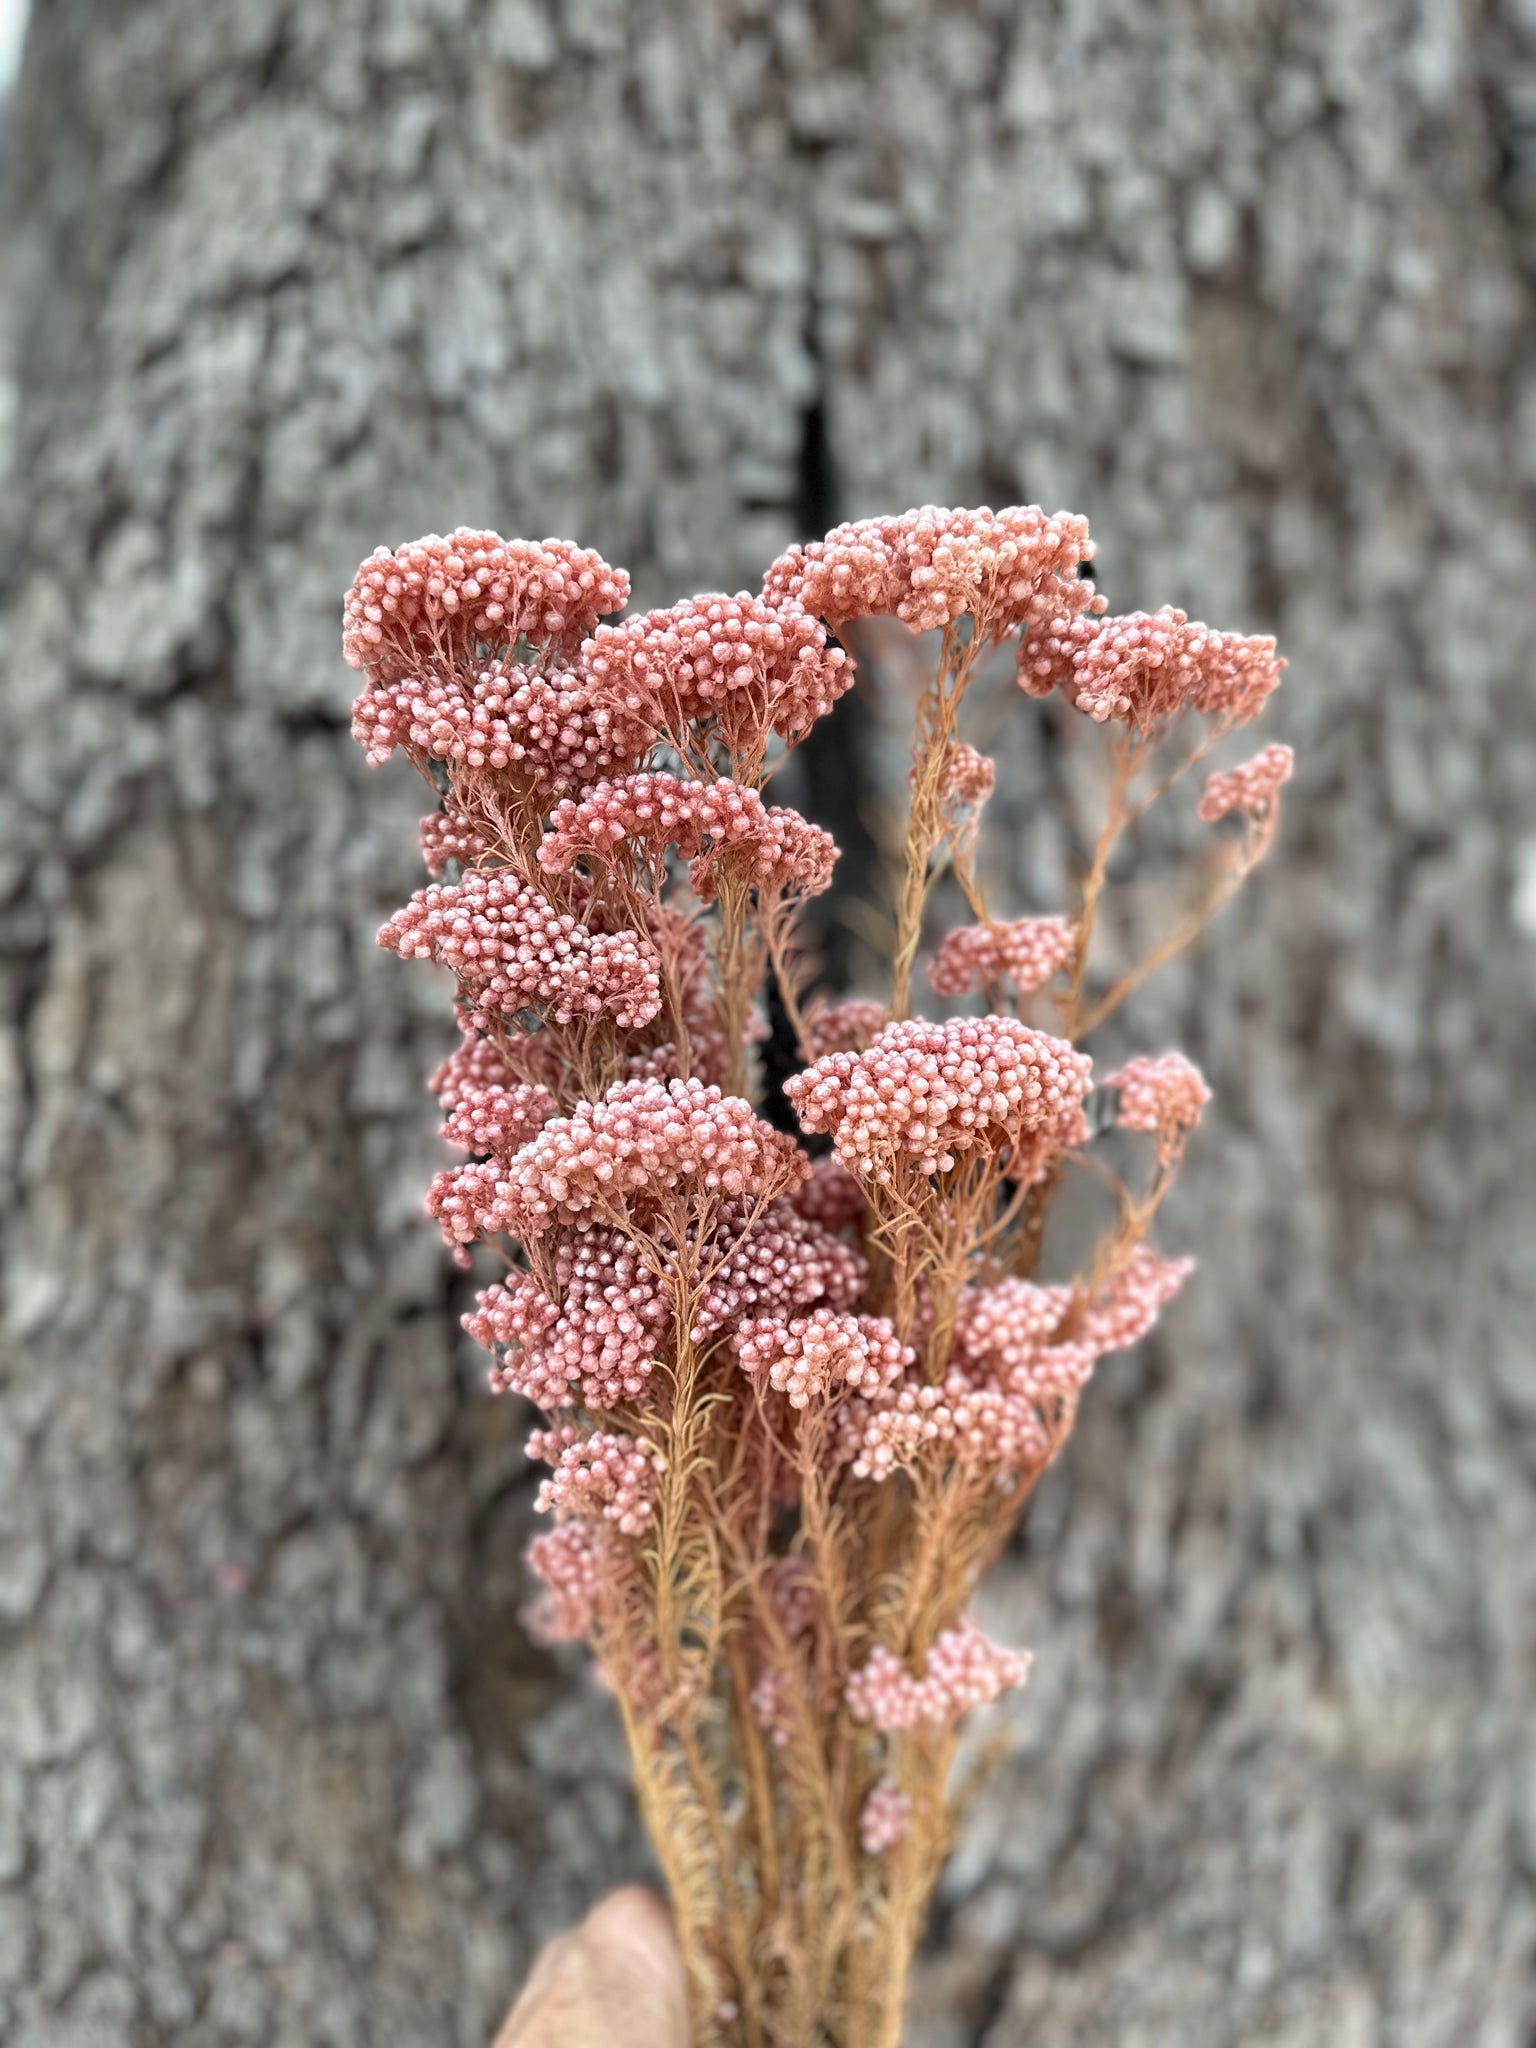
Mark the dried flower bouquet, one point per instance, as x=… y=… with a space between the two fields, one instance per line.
x=797 y=1394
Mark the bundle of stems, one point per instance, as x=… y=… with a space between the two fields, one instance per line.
x=800 y=1365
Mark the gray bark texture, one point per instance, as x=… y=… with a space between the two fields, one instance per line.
x=1246 y=281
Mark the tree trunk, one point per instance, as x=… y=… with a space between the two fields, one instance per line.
x=1250 y=286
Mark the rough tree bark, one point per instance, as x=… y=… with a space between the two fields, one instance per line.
x=1246 y=282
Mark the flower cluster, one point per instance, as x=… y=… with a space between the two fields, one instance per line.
x=964 y=1669
x=1146 y=667
x=513 y=950
x=438 y=599
x=1164 y=1096
x=924 y=1094
x=603 y=1476
x=811 y=1354
x=793 y=1393
x=1251 y=787
x=742 y=666
x=1027 y=953
x=932 y=566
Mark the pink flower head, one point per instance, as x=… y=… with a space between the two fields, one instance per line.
x=885 y=1819
x=1122 y=1312
x=718 y=827
x=1003 y=1327
x=598 y=1477
x=1062 y=618
x=513 y=950
x=740 y=665
x=619 y=1158
x=978 y=956
x=783 y=1262
x=1164 y=1096
x=813 y=1354
x=831 y=1196
x=849 y=1026
x=500 y=1119
x=1250 y=788
x=964 y=1669
x=968 y=1416
x=595 y=1341
x=577 y=1564
x=932 y=566
x=448 y=835
x=924 y=1094
x=1149 y=666
x=968 y=778
x=437 y=600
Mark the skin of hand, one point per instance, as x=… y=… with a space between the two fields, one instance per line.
x=615 y=1982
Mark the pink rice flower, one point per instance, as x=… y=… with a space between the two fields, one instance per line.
x=783 y=1262
x=811 y=1355
x=978 y=956
x=619 y=1158
x=831 y=1196
x=1249 y=788
x=717 y=827
x=579 y=1565
x=604 y=1476
x=500 y=1119
x=740 y=665
x=886 y=1816
x=448 y=835
x=933 y=565
x=1123 y=1311
x=1164 y=1096
x=967 y=778
x=1002 y=1327
x=964 y=1669
x=513 y=950
x=1147 y=667
x=849 y=1026
x=924 y=1094
x=439 y=599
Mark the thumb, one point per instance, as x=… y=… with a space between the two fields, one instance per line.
x=616 y=1982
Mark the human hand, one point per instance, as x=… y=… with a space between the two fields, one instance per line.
x=615 y=1982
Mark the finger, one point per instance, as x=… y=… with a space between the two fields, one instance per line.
x=617 y=1982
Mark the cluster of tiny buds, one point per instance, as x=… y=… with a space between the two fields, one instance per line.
x=1163 y=1095
x=963 y=1669
x=852 y=1025
x=713 y=825
x=1146 y=667
x=576 y=1566
x=811 y=1355
x=499 y=1119
x=1251 y=787
x=645 y=1138
x=447 y=835
x=411 y=605
x=978 y=956
x=934 y=565
x=514 y=950
x=885 y=1818
x=924 y=1093
x=745 y=665
x=967 y=778
x=603 y=1476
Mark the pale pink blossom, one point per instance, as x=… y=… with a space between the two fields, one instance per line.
x=644 y=1140
x=500 y=1119
x=967 y=778
x=1251 y=787
x=578 y=1565
x=964 y=1669
x=1147 y=667
x=1163 y=1095
x=602 y=1476
x=440 y=598
x=448 y=835
x=886 y=1816
x=925 y=1094
x=810 y=1355
x=831 y=1196
x=934 y=565
x=847 y=1026
x=1026 y=953
x=513 y=949
x=741 y=666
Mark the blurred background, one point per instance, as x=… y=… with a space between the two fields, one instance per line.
x=1249 y=283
